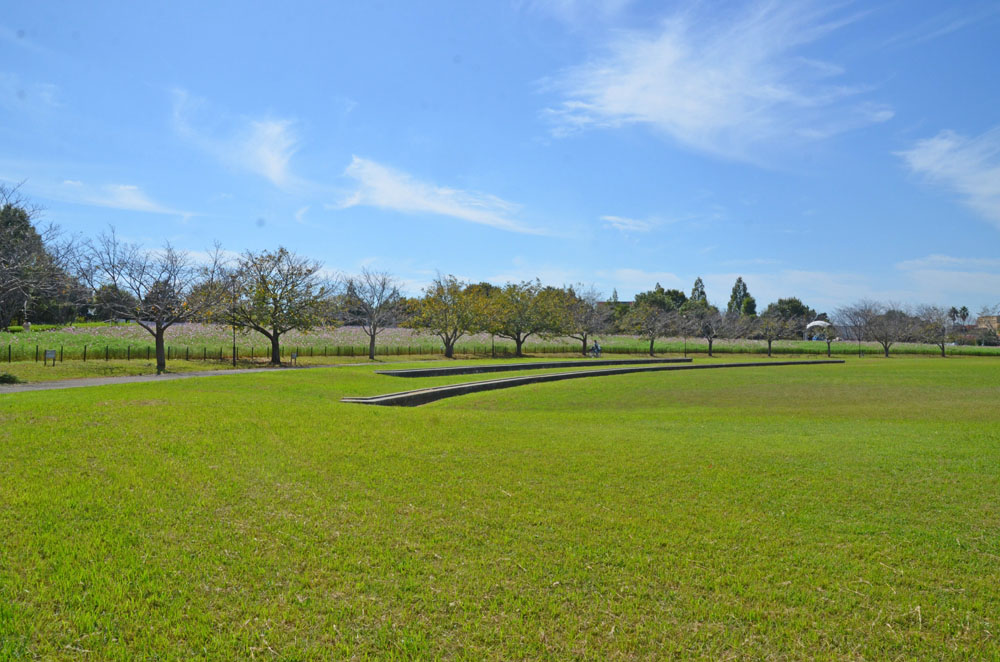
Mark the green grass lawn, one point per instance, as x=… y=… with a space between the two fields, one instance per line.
x=809 y=512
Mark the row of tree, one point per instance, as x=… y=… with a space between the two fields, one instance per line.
x=273 y=292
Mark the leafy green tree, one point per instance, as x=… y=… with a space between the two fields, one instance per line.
x=749 y=307
x=738 y=297
x=274 y=292
x=664 y=299
x=649 y=321
x=448 y=310
x=521 y=310
x=698 y=291
x=795 y=313
x=617 y=311
x=33 y=262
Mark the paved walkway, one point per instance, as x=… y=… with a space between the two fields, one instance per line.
x=133 y=379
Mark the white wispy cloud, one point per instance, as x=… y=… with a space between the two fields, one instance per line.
x=726 y=86
x=938 y=261
x=262 y=146
x=947 y=22
x=968 y=166
x=113 y=196
x=387 y=188
x=625 y=224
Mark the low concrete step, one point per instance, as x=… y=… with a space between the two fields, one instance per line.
x=425 y=395
x=508 y=367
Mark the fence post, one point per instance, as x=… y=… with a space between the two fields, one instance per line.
x=8 y=352
x=60 y=353
x=36 y=353
x=84 y=353
x=106 y=352
x=147 y=352
x=128 y=353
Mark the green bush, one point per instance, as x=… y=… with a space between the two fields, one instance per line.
x=8 y=379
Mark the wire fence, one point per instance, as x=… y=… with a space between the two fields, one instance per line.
x=146 y=352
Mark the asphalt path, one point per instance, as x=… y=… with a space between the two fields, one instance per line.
x=136 y=379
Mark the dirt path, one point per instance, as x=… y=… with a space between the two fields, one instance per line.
x=132 y=379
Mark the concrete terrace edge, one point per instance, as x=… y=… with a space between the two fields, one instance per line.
x=423 y=396
x=507 y=367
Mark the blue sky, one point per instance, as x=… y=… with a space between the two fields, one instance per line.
x=820 y=150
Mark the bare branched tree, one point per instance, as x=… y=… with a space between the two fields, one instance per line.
x=935 y=324
x=155 y=288
x=703 y=320
x=584 y=314
x=372 y=301
x=771 y=327
x=855 y=320
x=885 y=323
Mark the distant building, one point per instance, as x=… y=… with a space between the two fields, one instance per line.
x=988 y=322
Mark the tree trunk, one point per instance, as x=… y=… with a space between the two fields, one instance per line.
x=828 y=348
x=161 y=354
x=710 y=346
x=518 y=342
x=886 y=348
x=276 y=349
x=371 y=346
x=449 y=350
x=651 y=341
x=769 y=341
x=584 y=341
x=943 y=355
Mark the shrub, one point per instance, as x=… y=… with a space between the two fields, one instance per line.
x=6 y=378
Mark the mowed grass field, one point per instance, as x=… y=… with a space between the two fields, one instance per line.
x=817 y=512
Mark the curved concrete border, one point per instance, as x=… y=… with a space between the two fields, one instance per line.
x=425 y=395
x=508 y=367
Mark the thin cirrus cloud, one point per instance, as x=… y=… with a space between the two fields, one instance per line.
x=387 y=188
x=127 y=197
x=263 y=147
x=945 y=262
x=969 y=167
x=625 y=224
x=725 y=86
